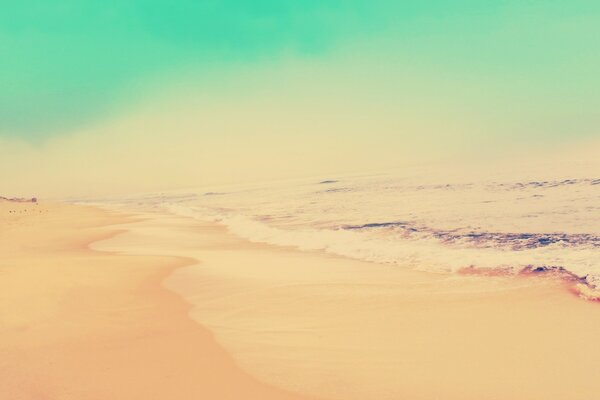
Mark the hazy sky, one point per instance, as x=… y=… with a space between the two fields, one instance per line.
x=197 y=91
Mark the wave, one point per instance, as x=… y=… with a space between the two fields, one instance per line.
x=402 y=243
x=514 y=241
x=537 y=227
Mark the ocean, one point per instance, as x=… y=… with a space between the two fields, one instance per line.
x=446 y=224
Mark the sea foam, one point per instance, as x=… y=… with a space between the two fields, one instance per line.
x=546 y=226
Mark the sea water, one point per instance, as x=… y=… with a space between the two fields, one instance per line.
x=415 y=220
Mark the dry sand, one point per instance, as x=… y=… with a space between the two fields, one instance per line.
x=79 y=324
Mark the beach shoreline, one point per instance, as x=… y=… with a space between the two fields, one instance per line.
x=338 y=328
x=81 y=324
x=112 y=304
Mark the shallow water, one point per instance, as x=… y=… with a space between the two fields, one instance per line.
x=417 y=220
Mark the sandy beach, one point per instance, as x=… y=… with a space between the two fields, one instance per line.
x=95 y=305
x=81 y=324
x=338 y=328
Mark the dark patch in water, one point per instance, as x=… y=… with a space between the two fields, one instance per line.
x=444 y=186
x=376 y=225
x=527 y=270
x=513 y=241
x=578 y=285
x=549 y=184
x=519 y=241
x=558 y=272
x=335 y=190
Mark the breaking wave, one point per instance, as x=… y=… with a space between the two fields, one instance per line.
x=534 y=227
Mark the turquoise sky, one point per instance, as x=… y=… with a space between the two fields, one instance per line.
x=69 y=63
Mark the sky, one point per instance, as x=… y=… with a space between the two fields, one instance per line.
x=102 y=96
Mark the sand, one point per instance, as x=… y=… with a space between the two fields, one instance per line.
x=98 y=305
x=80 y=324
x=345 y=329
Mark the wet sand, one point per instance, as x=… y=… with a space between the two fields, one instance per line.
x=345 y=329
